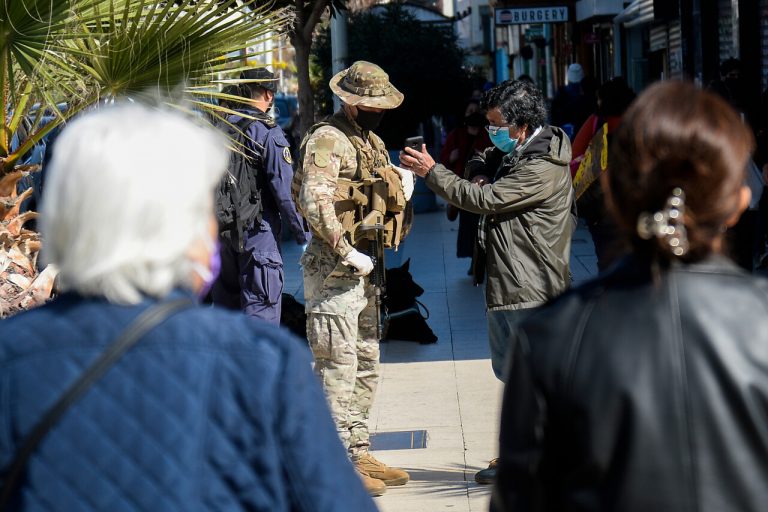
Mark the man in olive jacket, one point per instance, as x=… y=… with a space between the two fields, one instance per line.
x=527 y=208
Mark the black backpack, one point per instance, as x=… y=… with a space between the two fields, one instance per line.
x=238 y=196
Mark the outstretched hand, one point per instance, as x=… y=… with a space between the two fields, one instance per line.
x=418 y=162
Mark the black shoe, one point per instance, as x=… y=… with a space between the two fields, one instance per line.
x=488 y=475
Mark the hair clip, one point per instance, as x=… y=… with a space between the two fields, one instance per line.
x=667 y=223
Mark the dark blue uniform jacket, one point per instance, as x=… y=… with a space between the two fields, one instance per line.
x=264 y=239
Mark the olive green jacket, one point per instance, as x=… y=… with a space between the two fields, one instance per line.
x=528 y=218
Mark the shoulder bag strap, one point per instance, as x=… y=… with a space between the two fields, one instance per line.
x=127 y=339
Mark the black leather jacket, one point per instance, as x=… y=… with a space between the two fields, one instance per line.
x=638 y=394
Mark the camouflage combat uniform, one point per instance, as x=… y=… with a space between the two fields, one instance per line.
x=341 y=323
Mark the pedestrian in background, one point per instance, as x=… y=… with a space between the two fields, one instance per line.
x=342 y=155
x=463 y=143
x=646 y=388
x=209 y=410
x=527 y=211
x=730 y=86
x=745 y=238
x=252 y=277
x=613 y=98
x=572 y=104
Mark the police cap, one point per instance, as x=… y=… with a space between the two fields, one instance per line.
x=260 y=77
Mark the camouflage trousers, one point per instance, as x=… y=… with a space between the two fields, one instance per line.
x=341 y=329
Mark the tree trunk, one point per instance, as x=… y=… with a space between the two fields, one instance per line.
x=306 y=97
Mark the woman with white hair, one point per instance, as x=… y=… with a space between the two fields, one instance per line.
x=206 y=409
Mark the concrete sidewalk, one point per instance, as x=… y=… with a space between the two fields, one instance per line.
x=446 y=389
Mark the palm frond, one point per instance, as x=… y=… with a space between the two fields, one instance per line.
x=84 y=51
x=81 y=51
x=160 y=48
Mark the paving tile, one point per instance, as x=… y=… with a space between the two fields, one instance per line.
x=438 y=482
x=483 y=388
x=470 y=333
x=479 y=498
x=420 y=414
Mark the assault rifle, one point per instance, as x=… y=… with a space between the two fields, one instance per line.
x=371 y=229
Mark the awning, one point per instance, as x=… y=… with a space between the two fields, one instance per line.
x=637 y=13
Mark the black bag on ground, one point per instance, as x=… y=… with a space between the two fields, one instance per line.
x=238 y=197
x=405 y=321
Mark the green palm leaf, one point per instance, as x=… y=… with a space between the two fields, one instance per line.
x=153 y=48
x=85 y=51
x=27 y=26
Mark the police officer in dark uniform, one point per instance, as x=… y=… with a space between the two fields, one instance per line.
x=252 y=279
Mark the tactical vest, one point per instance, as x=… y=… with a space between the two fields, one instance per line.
x=238 y=201
x=376 y=185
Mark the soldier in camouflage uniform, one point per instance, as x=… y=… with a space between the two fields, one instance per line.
x=341 y=323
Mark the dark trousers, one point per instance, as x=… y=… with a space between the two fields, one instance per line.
x=251 y=282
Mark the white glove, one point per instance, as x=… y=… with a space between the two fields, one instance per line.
x=359 y=261
x=408 y=181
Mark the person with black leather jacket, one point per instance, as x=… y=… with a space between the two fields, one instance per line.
x=646 y=389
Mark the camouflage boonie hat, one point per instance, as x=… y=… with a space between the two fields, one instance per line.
x=364 y=83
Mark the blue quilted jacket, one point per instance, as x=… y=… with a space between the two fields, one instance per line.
x=211 y=411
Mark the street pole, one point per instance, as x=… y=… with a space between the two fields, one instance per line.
x=548 y=58
x=280 y=63
x=339 y=53
x=268 y=47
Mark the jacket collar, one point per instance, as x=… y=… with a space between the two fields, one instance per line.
x=637 y=267
x=550 y=143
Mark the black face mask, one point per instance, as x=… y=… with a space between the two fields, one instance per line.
x=368 y=120
x=475 y=119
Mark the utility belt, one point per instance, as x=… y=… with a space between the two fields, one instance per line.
x=372 y=202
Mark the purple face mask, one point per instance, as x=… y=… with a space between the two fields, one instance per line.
x=213 y=270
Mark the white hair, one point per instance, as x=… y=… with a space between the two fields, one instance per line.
x=128 y=192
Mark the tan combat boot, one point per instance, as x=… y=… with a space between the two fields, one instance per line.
x=373 y=486
x=367 y=464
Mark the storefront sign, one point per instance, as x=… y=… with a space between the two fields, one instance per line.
x=523 y=15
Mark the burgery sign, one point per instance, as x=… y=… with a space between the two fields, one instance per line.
x=522 y=15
